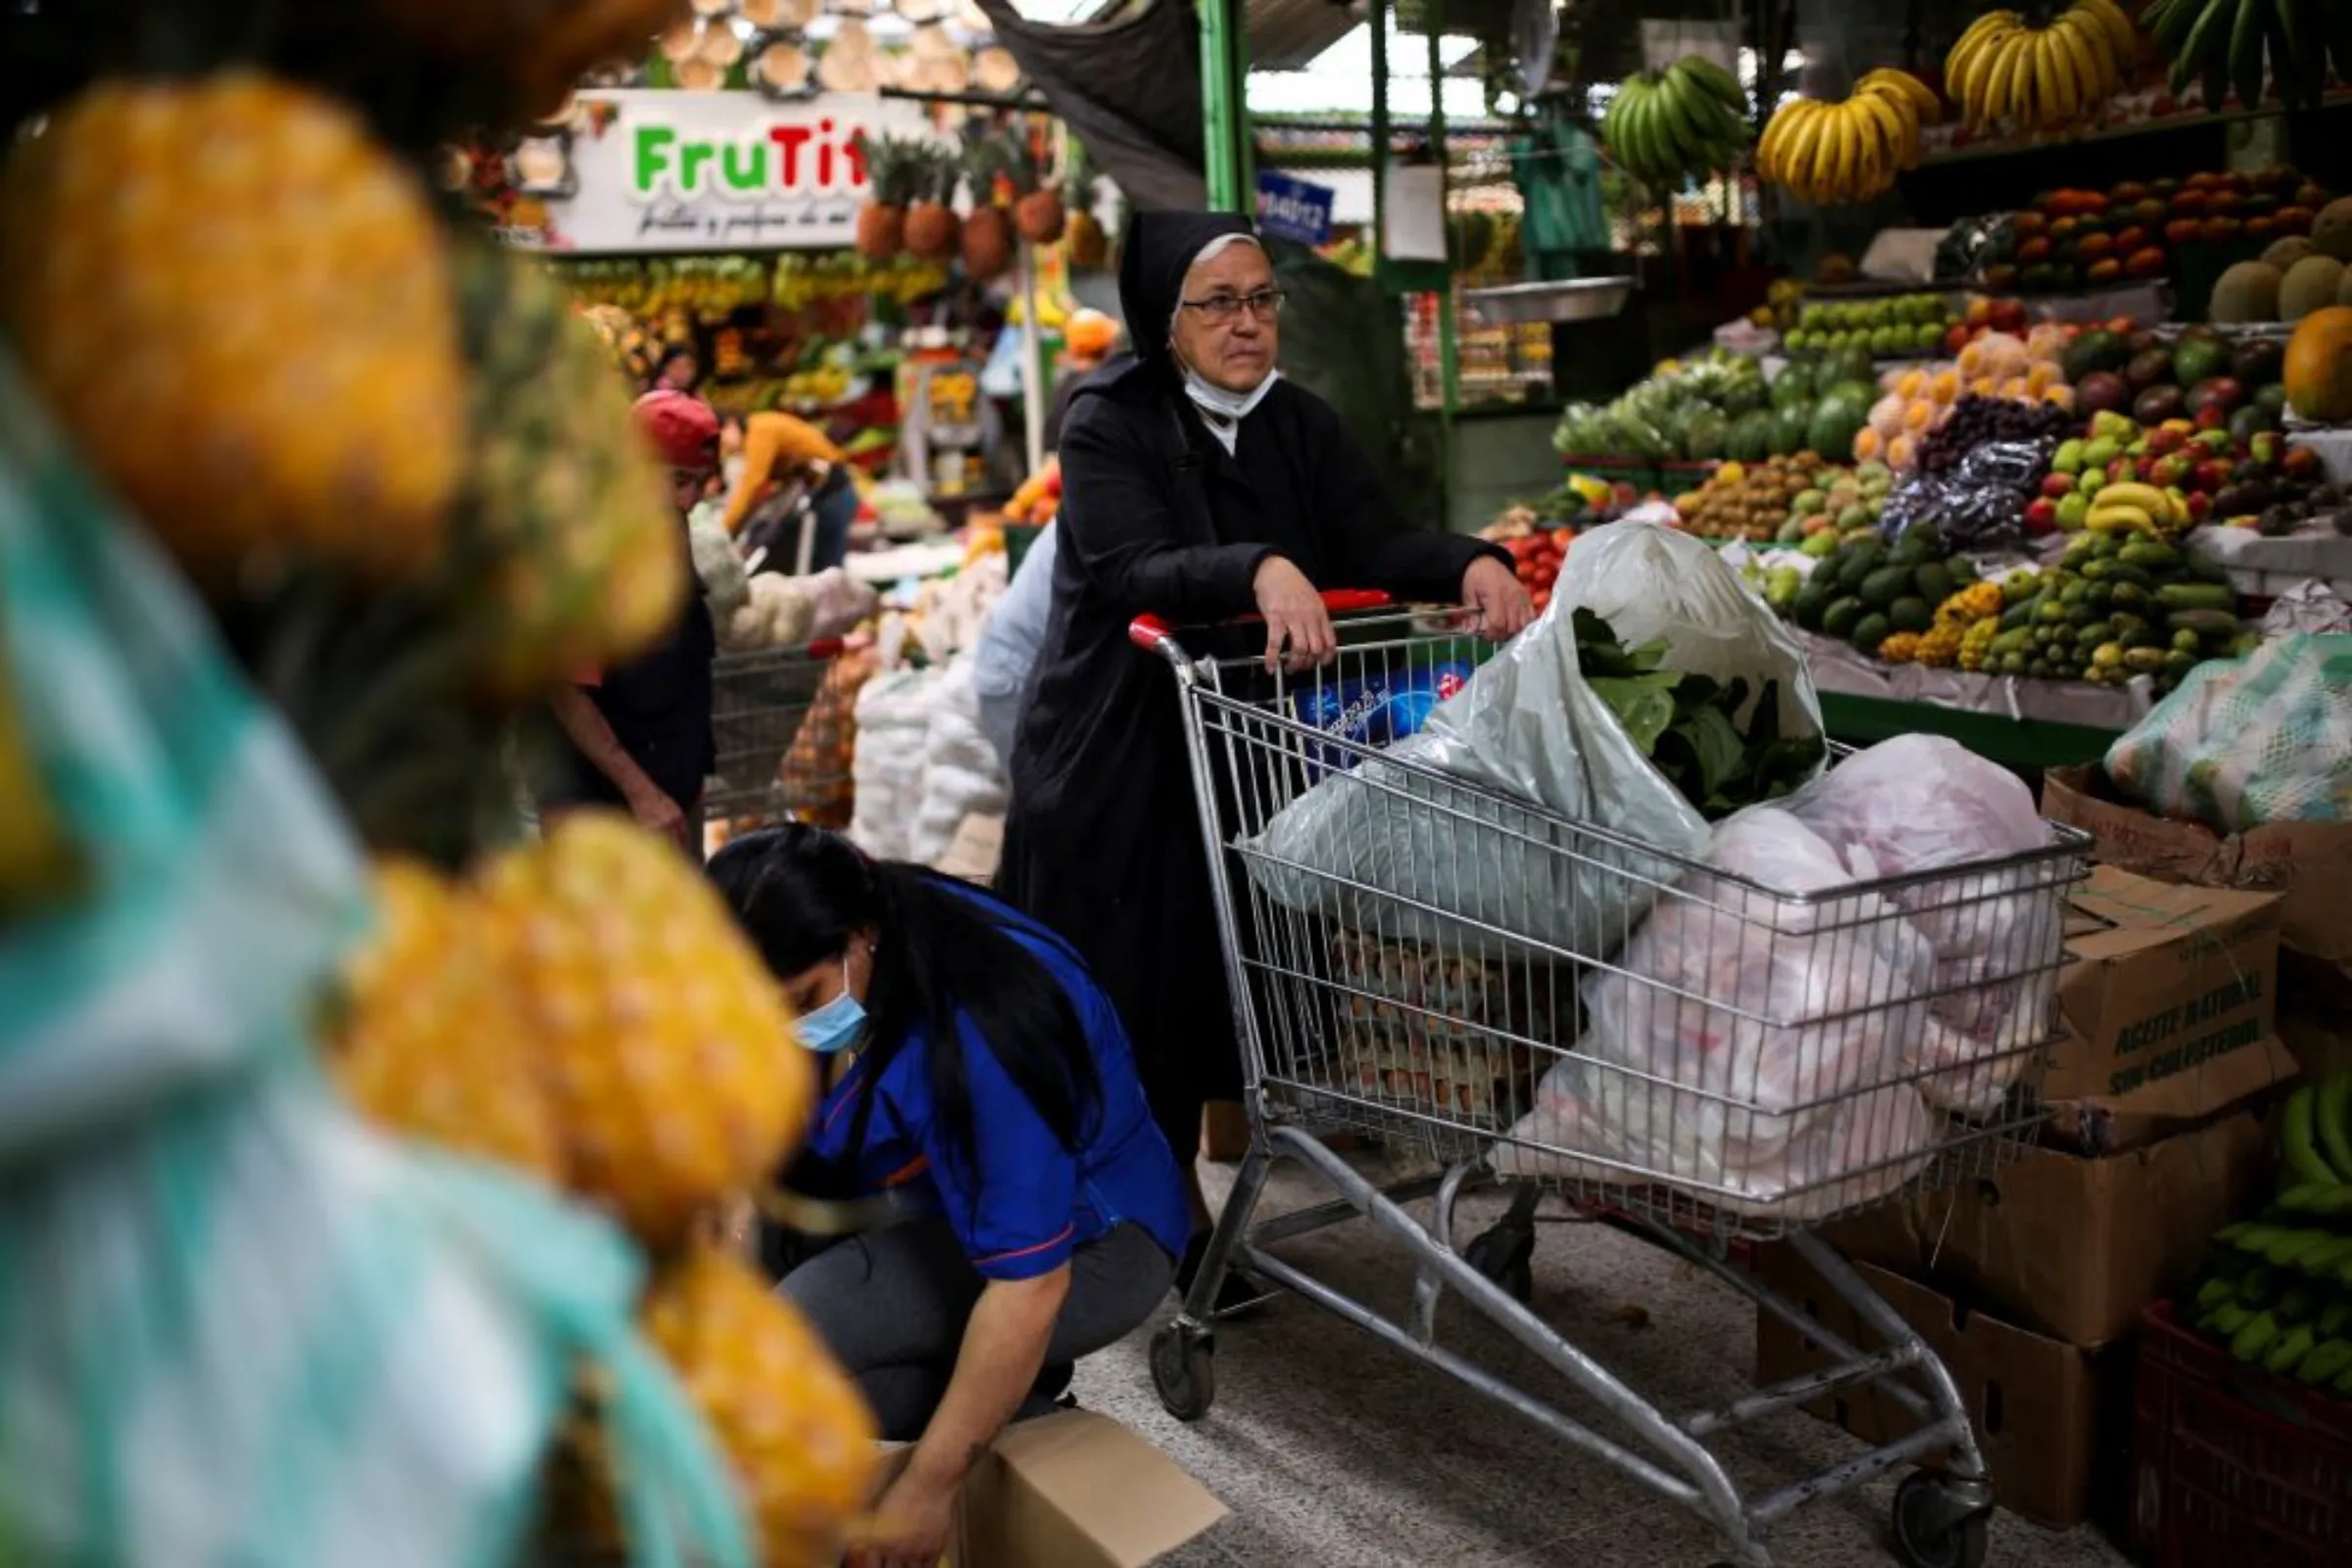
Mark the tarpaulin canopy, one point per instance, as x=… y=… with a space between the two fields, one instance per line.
x=1129 y=88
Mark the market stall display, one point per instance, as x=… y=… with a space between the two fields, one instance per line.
x=2046 y=77
x=1850 y=150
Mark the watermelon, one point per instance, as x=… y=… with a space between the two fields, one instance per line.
x=1846 y=364
x=1789 y=430
x=1794 y=386
x=1750 y=438
x=1703 y=435
x=1836 y=421
x=1862 y=394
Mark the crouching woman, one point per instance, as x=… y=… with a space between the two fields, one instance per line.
x=977 y=1075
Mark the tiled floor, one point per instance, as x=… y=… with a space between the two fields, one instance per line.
x=1335 y=1451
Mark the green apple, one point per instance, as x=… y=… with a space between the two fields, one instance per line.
x=2100 y=451
x=2068 y=458
x=2072 y=509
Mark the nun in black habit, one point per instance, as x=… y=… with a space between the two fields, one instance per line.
x=1197 y=485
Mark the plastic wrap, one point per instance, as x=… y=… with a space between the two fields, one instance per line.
x=2266 y=738
x=1981 y=505
x=1734 y=1045
x=1528 y=725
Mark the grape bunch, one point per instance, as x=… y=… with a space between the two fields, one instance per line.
x=1975 y=421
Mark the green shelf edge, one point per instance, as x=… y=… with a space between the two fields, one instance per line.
x=2019 y=742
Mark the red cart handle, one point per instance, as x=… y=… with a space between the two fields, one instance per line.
x=1150 y=632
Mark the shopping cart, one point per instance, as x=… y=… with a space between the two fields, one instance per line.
x=1394 y=998
x=758 y=702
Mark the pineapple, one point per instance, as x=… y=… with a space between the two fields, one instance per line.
x=987 y=240
x=664 y=1042
x=1084 y=242
x=578 y=558
x=793 y=1427
x=893 y=171
x=1036 y=205
x=430 y=1044
x=264 y=389
x=932 y=228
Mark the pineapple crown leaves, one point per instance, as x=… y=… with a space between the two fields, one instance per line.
x=1080 y=178
x=893 y=168
x=984 y=160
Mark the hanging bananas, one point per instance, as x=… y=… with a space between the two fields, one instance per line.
x=2004 y=72
x=1667 y=126
x=1851 y=151
x=2222 y=44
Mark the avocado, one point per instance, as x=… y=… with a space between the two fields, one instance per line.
x=1911 y=613
x=1811 y=604
x=1884 y=586
x=1933 y=582
x=1843 y=616
x=2197 y=358
x=1857 y=561
x=1870 y=632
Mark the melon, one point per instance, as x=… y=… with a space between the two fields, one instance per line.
x=2286 y=250
x=2309 y=284
x=2319 y=366
x=2332 y=230
x=2246 y=292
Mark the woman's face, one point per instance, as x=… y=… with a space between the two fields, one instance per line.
x=824 y=980
x=1226 y=329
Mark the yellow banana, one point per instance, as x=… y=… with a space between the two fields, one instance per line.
x=2056 y=97
x=1986 y=81
x=2021 y=56
x=2105 y=78
x=1775 y=140
x=1798 y=158
x=1964 y=67
x=37 y=861
x=1888 y=127
x=1926 y=107
x=1845 y=154
x=2130 y=493
x=2123 y=40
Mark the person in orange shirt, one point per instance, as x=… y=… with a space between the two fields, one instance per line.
x=777 y=447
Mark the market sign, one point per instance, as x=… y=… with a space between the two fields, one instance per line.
x=1294 y=210
x=656 y=171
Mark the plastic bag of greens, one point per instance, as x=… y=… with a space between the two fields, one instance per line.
x=1473 y=829
x=2266 y=738
x=240 y=1330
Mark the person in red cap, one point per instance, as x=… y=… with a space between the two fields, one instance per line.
x=638 y=735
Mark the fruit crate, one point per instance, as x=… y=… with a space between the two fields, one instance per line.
x=2232 y=1464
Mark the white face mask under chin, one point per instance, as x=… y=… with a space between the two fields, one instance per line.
x=1225 y=409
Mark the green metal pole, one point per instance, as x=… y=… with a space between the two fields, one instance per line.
x=1448 y=351
x=1224 y=64
x=1378 y=18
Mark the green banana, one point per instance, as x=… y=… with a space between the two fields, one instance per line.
x=2292 y=1347
x=2297 y=55
x=2296 y=1304
x=2226 y=1320
x=2255 y=1287
x=1719 y=84
x=2215 y=1292
x=2200 y=44
x=2295 y=1246
x=2254 y=1337
x=2256 y=1236
x=2331 y=1117
x=2322 y=1262
x=2295 y=1138
x=2169 y=21
x=2245 y=52
x=2335 y=1317
x=2329 y=1357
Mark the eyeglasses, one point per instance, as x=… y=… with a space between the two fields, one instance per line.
x=1222 y=308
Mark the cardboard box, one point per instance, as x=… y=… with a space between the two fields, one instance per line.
x=2038 y=1404
x=2070 y=1246
x=1077 y=1490
x=2309 y=863
x=2170 y=1008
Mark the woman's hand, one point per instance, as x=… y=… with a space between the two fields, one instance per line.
x=913 y=1527
x=1299 y=634
x=1501 y=600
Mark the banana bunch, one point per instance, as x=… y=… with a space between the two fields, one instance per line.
x=1665 y=127
x=1851 y=150
x=2003 y=71
x=2224 y=42
x=2279 y=1290
x=2140 y=508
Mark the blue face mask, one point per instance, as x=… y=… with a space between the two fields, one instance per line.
x=838 y=1025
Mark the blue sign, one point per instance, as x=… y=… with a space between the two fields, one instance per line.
x=1294 y=210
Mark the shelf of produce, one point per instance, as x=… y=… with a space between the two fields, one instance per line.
x=2015 y=721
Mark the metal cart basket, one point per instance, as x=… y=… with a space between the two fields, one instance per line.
x=1390 y=1000
x=760 y=700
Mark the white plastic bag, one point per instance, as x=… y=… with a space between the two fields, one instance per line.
x=960 y=775
x=894 y=720
x=1741 y=1043
x=1922 y=803
x=1528 y=725
x=2266 y=738
x=841 y=602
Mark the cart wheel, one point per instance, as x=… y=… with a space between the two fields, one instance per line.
x=1933 y=1528
x=1505 y=1254
x=1184 y=1371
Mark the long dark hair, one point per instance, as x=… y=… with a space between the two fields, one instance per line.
x=942 y=956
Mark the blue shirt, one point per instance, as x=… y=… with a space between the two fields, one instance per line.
x=1034 y=1202
x=1009 y=643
